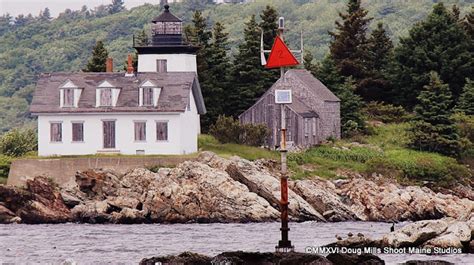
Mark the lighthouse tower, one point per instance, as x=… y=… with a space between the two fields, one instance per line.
x=166 y=50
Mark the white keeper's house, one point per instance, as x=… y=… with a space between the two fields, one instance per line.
x=154 y=110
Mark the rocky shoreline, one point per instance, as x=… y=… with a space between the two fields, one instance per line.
x=214 y=189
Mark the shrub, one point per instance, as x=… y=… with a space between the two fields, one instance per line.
x=419 y=166
x=228 y=130
x=387 y=113
x=5 y=162
x=18 y=142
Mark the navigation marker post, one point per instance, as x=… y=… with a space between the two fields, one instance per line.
x=280 y=56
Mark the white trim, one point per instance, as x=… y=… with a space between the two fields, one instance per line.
x=148 y=83
x=105 y=84
x=68 y=84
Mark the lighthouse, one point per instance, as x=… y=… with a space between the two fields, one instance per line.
x=166 y=50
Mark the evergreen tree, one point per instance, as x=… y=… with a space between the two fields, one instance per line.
x=199 y=35
x=436 y=44
x=352 y=120
x=218 y=72
x=468 y=24
x=45 y=15
x=249 y=76
x=375 y=87
x=308 y=63
x=116 y=6
x=329 y=75
x=348 y=45
x=141 y=39
x=269 y=26
x=99 y=57
x=433 y=129
x=466 y=100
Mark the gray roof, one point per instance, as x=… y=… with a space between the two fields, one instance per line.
x=174 y=94
x=313 y=84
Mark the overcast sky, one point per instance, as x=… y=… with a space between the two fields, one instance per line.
x=15 y=7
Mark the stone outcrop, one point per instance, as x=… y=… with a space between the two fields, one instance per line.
x=214 y=189
x=428 y=234
x=40 y=202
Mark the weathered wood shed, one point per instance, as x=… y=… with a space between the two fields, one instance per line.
x=312 y=117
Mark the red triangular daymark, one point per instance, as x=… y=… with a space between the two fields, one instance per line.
x=280 y=55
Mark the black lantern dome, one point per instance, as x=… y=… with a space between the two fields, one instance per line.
x=166 y=35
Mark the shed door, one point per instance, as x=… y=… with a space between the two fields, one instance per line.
x=109 y=134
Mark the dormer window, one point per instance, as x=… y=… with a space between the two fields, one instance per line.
x=69 y=95
x=107 y=95
x=149 y=94
x=68 y=98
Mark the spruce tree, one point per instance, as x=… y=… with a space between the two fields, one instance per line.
x=200 y=36
x=99 y=57
x=116 y=6
x=436 y=44
x=466 y=100
x=45 y=15
x=308 y=63
x=329 y=75
x=248 y=75
x=348 y=45
x=468 y=24
x=215 y=94
x=433 y=129
x=269 y=26
x=141 y=39
x=375 y=87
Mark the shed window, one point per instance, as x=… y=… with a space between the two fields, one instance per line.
x=106 y=97
x=56 y=134
x=77 y=132
x=68 y=97
x=306 y=128
x=162 y=131
x=147 y=96
x=140 y=131
x=161 y=66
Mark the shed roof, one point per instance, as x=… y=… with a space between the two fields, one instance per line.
x=174 y=96
x=313 y=84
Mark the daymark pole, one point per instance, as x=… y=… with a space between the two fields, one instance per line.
x=284 y=245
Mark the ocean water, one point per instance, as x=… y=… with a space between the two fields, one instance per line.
x=128 y=244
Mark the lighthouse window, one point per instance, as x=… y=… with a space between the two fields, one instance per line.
x=161 y=66
x=147 y=96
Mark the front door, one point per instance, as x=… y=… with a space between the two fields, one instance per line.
x=109 y=134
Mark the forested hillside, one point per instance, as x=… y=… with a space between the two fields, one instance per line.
x=30 y=45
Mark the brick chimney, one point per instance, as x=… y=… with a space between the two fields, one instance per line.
x=109 y=65
x=130 y=70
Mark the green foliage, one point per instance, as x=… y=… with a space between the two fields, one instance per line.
x=99 y=57
x=466 y=99
x=5 y=162
x=380 y=111
x=415 y=165
x=308 y=63
x=351 y=104
x=218 y=82
x=433 y=128
x=439 y=44
x=228 y=130
x=348 y=47
x=379 y=55
x=116 y=6
x=209 y=143
x=18 y=142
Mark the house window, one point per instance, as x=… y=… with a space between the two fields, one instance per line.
x=140 y=131
x=162 y=131
x=161 y=66
x=147 y=96
x=56 y=134
x=68 y=97
x=106 y=97
x=78 y=132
